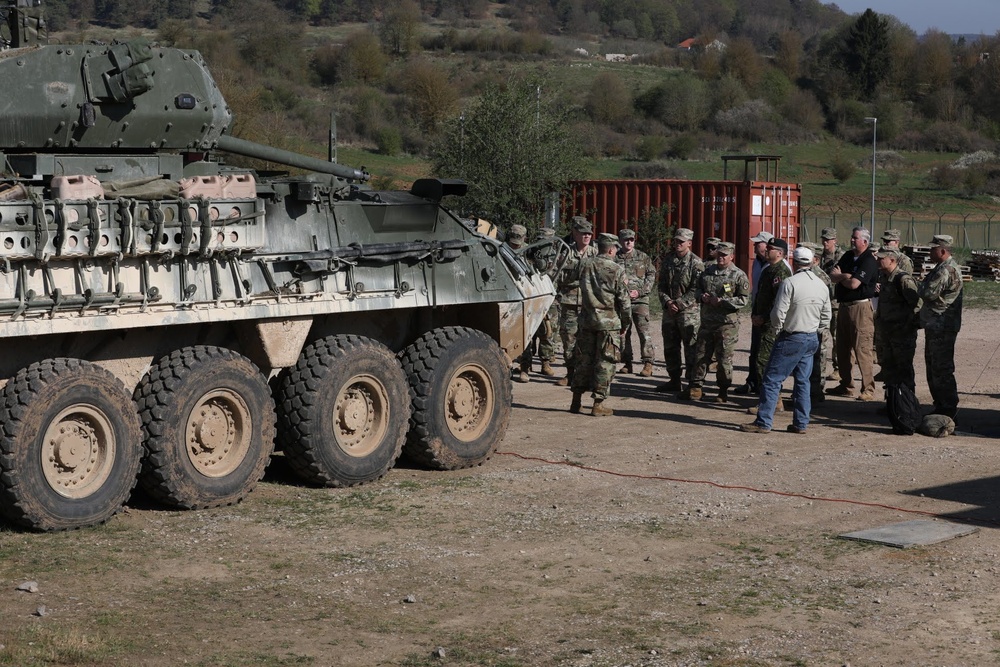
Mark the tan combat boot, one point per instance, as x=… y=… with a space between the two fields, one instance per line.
x=574 y=407
x=522 y=376
x=690 y=394
x=600 y=410
x=563 y=382
x=627 y=368
x=547 y=369
x=723 y=396
x=647 y=369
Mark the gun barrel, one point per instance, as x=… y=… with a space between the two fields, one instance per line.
x=271 y=154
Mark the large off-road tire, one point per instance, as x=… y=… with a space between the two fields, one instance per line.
x=69 y=447
x=208 y=421
x=343 y=410
x=461 y=398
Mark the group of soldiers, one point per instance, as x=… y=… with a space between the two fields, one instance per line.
x=877 y=307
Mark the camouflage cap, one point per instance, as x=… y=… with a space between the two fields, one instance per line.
x=712 y=242
x=626 y=234
x=725 y=248
x=684 y=234
x=762 y=237
x=546 y=233
x=886 y=251
x=517 y=232
x=815 y=247
x=828 y=234
x=942 y=241
x=937 y=426
x=581 y=224
x=891 y=235
x=607 y=240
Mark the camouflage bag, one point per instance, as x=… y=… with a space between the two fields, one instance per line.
x=937 y=426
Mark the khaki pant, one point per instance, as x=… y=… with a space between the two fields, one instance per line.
x=856 y=332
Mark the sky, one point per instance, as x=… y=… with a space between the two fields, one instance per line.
x=955 y=17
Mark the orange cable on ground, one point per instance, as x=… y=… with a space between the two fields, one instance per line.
x=737 y=487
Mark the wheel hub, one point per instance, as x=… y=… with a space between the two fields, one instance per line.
x=212 y=429
x=463 y=399
x=361 y=415
x=73 y=447
x=355 y=413
x=469 y=402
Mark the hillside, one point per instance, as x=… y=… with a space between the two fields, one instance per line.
x=797 y=79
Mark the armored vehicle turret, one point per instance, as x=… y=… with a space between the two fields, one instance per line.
x=167 y=317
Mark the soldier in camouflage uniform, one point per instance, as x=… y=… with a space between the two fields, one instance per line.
x=896 y=319
x=770 y=279
x=941 y=319
x=605 y=312
x=831 y=255
x=568 y=285
x=544 y=340
x=723 y=289
x=891 y=239
x=678 y=282
x=640 y=274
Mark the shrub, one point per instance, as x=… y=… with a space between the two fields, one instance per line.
x=752 y=120
x=682 y=146
x=389 y=141
x=651 y=147
x=841 y=168
x=653 y=170
x=944 y=177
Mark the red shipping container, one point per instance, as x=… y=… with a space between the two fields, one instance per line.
x=731 y=210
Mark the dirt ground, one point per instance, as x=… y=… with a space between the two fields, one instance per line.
x=676 y=545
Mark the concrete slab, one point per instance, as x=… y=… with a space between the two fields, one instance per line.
x=908 y=534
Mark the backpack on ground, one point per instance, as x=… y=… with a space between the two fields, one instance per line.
x=903 y=407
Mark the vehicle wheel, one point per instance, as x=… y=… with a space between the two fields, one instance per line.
x=69 y=447
x=343 y=411
x=461 y=398
x=208 y=420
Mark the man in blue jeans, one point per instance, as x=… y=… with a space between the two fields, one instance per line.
x=801 y=309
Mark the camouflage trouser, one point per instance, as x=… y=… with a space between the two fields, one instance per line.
x=594 y=360
x=767 y=337
x=896 y=347
x=833 y=338
x=544 y=341
x=719 y=340
x=568 y=325
x=939 y=357
x=679 y=333
x=817 y=380
x=640 y=321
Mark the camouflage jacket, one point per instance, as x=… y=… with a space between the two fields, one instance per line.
x=640 y=274
x=941 y=291
x=679 y=282
x=770 y=280
x=827 y=261
x=569 y=278
x=898 y=301
x=905 y=263
x=604 y=302
x=729 y=284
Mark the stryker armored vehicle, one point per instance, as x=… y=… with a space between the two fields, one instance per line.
x=167 y=318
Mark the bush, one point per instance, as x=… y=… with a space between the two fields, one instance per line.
x=653 y=170
x=949 y=138
x=753 y=120
x=651 y=147
x=682 y=146
x=389 y=141
x=944 y=177
x=841 y=168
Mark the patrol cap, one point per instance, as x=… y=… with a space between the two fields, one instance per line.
x=828 y=233
x=942 y=241
x=802 y=256
x=626 y=234
x=780 y=244
x=517 y=232
x=684 y=234
x=607 y=240
x=581 y=224
x=725 y=248
x=886 y=251
x=712 y=242
x=763 y=237
x=815 y=247
x=546 y=233
x=891 y=235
